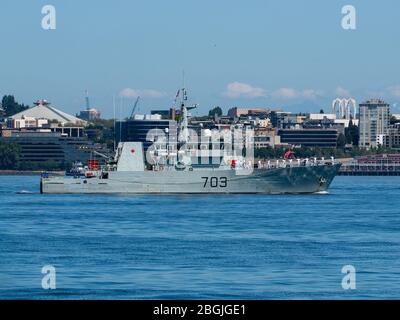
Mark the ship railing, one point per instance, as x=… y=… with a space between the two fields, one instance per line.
x=350 y=167
x=289 y=163
x=49 y=174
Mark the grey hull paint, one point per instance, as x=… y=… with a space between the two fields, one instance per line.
x=303 y=179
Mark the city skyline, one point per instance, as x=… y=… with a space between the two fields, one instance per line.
x=256 y=54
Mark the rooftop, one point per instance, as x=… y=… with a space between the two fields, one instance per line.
x=43 y=110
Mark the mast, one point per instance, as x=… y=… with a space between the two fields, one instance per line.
x=183 y=127
x=115 y=123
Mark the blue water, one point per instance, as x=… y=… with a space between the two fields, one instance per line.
x=201 y=247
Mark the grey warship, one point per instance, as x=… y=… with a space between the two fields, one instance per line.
x=131 y=172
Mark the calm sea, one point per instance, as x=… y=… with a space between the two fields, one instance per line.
x=209 y=247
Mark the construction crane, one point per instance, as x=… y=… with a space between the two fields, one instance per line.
x=134 y=107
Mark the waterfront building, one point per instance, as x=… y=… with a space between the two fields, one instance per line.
x=374 y=121
x=43 y=110
x=286 y=120
x=373 y=165
x=238 y=112
x=391 y=139
x=309 y=137
x=165 y=114
x=137 y=129
x=42 y=146
x=66 y=131
x=90 y=114
x=331 y=118
x=263 y=123
x=264 y=137
x=70 y=132
x=277 y=118
x=26 y=122
x=322 y=116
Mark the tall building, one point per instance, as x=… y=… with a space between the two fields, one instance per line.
x=165 y=114
x=391 y=139
x=138 y=129
x=89 y=114
x=374 y=121
x=324 y=138
x=266 y=137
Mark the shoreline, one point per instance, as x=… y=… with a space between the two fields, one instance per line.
x=28 y=172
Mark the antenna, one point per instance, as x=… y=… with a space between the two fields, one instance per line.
x=135 y=107
x=87 y=100
x=120 y=119
x=115 y=137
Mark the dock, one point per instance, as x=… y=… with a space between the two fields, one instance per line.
x=374 y=165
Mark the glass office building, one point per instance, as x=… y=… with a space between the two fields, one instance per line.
x=141 y=130
x=324 y=138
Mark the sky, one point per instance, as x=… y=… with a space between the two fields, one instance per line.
x=292 y=55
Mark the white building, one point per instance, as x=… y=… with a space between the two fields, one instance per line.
x=26 y=122
x=43 y=110
x=374 y=121
x=90 y=114
x=322 y=116
x=346 y=122
x=391 y=139
x=266 y=140
x=147 y=117
x=332 y=116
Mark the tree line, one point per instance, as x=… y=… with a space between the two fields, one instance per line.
x=10 y=159
x=10 y=153
x=11 y=107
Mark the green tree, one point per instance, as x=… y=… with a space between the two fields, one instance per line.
x=9 y=155
x=101 y=131
x=11 y=107
x=215 y=111
x=354 y=133
x=347 y=133
x=393 y=120
x=341 y=140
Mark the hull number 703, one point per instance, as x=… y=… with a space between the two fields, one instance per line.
x=215 y=182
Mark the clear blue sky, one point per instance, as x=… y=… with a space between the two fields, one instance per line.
x=256 y=53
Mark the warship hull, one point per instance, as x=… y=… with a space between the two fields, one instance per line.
x=289 y=180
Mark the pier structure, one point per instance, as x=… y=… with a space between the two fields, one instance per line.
x=374 y=165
